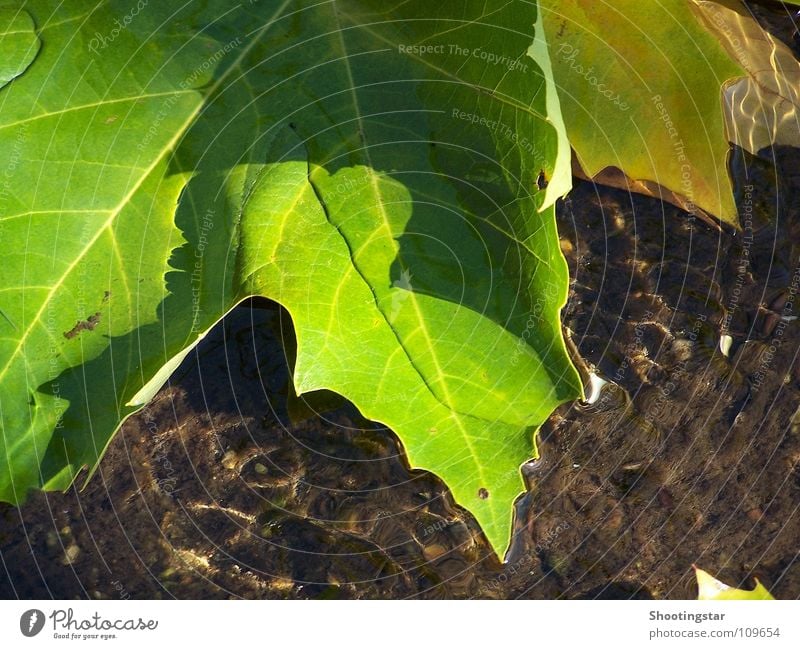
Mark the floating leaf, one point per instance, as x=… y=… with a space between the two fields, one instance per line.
x=709 y=588
x=641 y=92
x=376 y=170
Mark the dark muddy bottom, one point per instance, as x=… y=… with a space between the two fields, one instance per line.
x=228 y=486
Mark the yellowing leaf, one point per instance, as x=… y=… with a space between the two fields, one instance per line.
x=709 y=588
x=641 y=90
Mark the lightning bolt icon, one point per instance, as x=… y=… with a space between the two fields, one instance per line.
x=32 y=621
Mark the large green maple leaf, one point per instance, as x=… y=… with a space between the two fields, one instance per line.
x=375 y=169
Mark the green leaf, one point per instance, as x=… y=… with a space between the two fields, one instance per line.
x=373 y=169
x=641 y=91
x=709 y=588
x=19 y=43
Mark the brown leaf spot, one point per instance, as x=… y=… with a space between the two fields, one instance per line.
x=541 y=180
x=83 y=325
